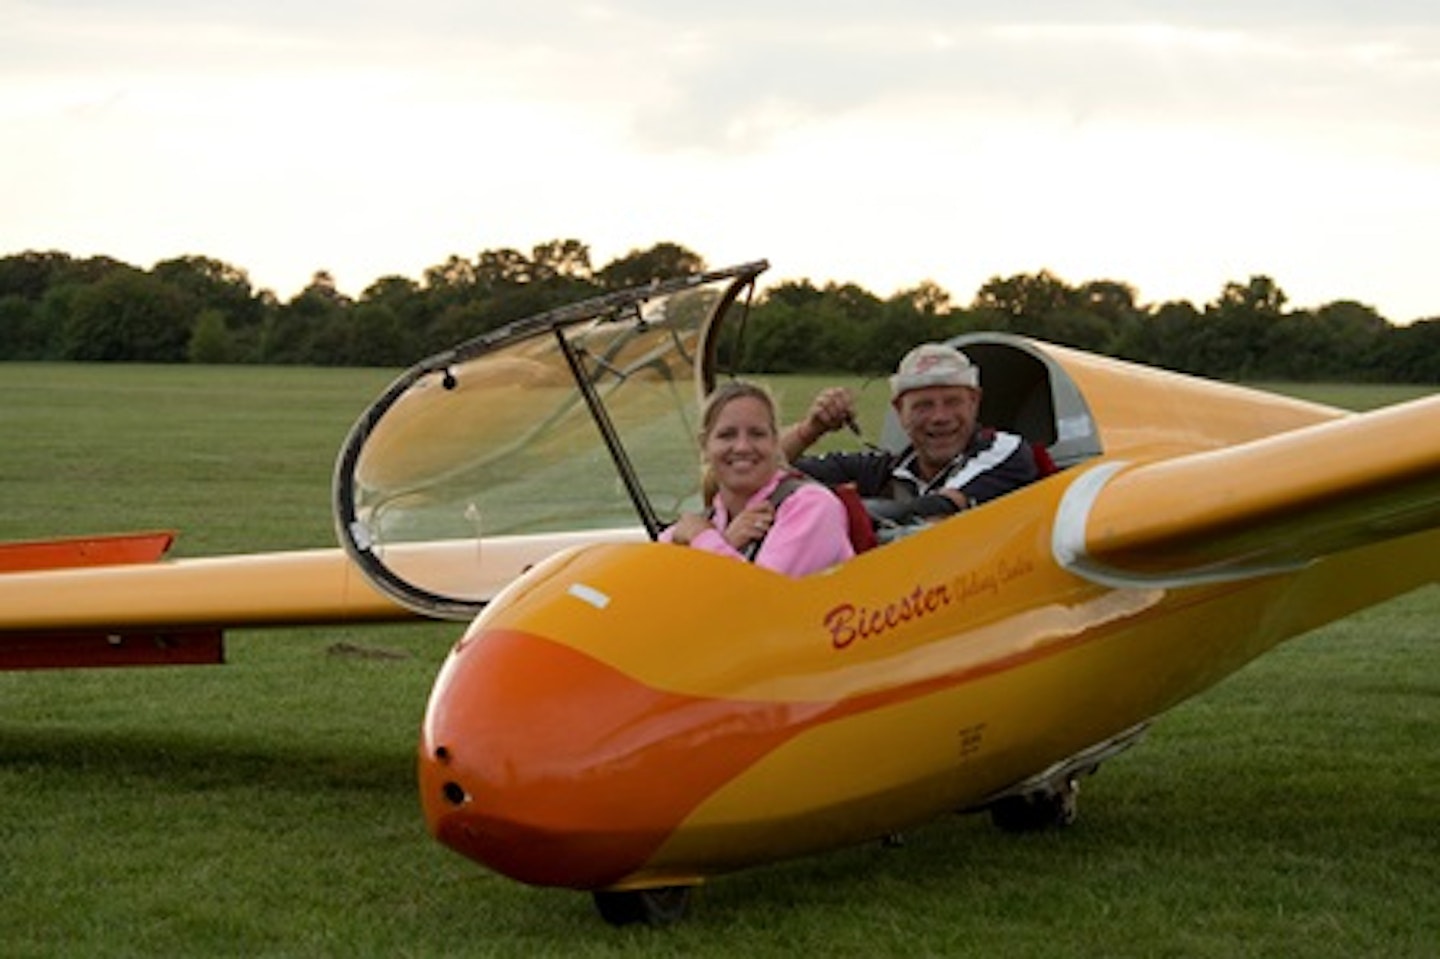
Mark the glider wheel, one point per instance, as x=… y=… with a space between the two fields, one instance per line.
x=1036 y=811
x=661 y=906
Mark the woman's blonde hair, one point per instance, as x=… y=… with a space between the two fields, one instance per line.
x=719 y=398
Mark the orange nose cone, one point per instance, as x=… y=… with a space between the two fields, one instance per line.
x=555 y=769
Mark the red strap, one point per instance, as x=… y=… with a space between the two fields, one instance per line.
x=862 y=530
x=1043 y=462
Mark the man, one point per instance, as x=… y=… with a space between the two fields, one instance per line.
x=952 y=462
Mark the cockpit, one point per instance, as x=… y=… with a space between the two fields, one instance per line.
x=1024 y=391
x=585 y=418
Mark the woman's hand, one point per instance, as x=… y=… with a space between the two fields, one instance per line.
x=687 y=527
x=749 y=525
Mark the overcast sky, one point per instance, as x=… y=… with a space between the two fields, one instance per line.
x=1173 y=146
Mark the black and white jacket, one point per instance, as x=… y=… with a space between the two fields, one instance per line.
x=994 y=463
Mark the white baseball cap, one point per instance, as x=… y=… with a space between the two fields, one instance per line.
x=934 y=364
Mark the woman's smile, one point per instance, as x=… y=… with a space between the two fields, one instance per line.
x=742 y=447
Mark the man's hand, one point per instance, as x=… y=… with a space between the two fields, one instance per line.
x=831 y=409
x=961 y=501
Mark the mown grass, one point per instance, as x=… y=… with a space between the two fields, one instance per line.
x=268 y=807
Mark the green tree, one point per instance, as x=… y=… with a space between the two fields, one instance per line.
x=1410 y=354
x=33 y=274
x=1095 y=316
x=414 y=311
x=1260 y=296
x=54 y=306
x=1349 y=334
x=396 y=292
x=127 y=316
x=22 y=336
x=212 y=284
x=211 y=340
x=1239 y=329
x=1080 y=328
x=1115 y=304
x=926 y=298
x=917 y=315
x=29 y=275
x=456 y=272
x=560 y=259
x=1165 y=337
x=663 y=261
x=798 y=328
x=456 y=324
x=378 y=338
x=292 y=333
x=1022 y=302
x=502 y=269
x=53 y=318
x=780 y=339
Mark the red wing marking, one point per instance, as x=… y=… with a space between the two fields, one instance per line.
x=119 y=550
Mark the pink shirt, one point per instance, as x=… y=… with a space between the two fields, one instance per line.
x=811 y=530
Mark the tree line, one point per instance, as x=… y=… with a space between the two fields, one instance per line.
x=54 y=307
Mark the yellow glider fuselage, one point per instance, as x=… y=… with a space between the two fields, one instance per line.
x=627 y=716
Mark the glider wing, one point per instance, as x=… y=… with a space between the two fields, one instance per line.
x=1266 y=505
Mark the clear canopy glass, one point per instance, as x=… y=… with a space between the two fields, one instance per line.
x=583 y=418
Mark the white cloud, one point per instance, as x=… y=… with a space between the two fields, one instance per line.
x=1173 y=146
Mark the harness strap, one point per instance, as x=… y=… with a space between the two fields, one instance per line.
x=778 y=495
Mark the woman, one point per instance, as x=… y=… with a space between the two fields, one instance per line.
x=740 y=446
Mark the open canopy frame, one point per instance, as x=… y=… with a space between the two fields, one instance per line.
x=498 y=436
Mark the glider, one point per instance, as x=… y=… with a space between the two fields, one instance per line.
x=631 y=718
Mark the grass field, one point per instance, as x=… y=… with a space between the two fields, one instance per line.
x=268 y=807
